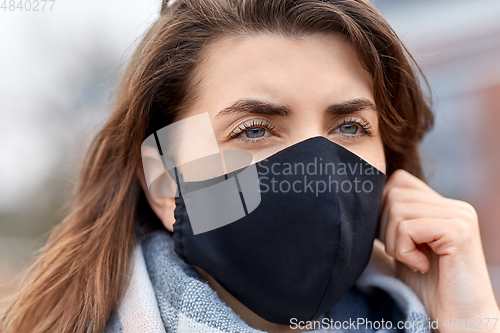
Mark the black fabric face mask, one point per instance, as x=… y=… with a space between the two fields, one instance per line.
x=307 y=242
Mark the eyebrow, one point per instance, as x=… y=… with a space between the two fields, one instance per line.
x=258 y=107
x=350 y=106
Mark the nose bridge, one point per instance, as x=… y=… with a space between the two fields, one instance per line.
x=308 y=123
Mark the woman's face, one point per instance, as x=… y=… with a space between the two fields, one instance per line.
x=264 y=93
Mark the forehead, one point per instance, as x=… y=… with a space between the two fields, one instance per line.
x=281 y=69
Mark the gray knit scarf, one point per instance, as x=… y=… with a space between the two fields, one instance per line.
x=167 y=295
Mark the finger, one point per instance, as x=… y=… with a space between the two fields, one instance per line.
x=404 y=179
x=441 y=235
x=399 y=182
x=403 y=195
x=401 y=211
x=462 y=206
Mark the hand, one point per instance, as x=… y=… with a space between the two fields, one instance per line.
x=437 y=247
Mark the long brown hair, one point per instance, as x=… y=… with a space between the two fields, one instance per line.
x=82 y=273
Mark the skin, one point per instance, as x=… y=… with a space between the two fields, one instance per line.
x=307 y=75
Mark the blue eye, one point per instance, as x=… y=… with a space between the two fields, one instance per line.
x=255 y=132
x=348 y=129
x=354 y=127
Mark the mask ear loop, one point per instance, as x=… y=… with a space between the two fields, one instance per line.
x=178 y=182
x=167 y=164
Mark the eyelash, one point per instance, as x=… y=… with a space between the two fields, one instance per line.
x=256 y=123
x=362 y=123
